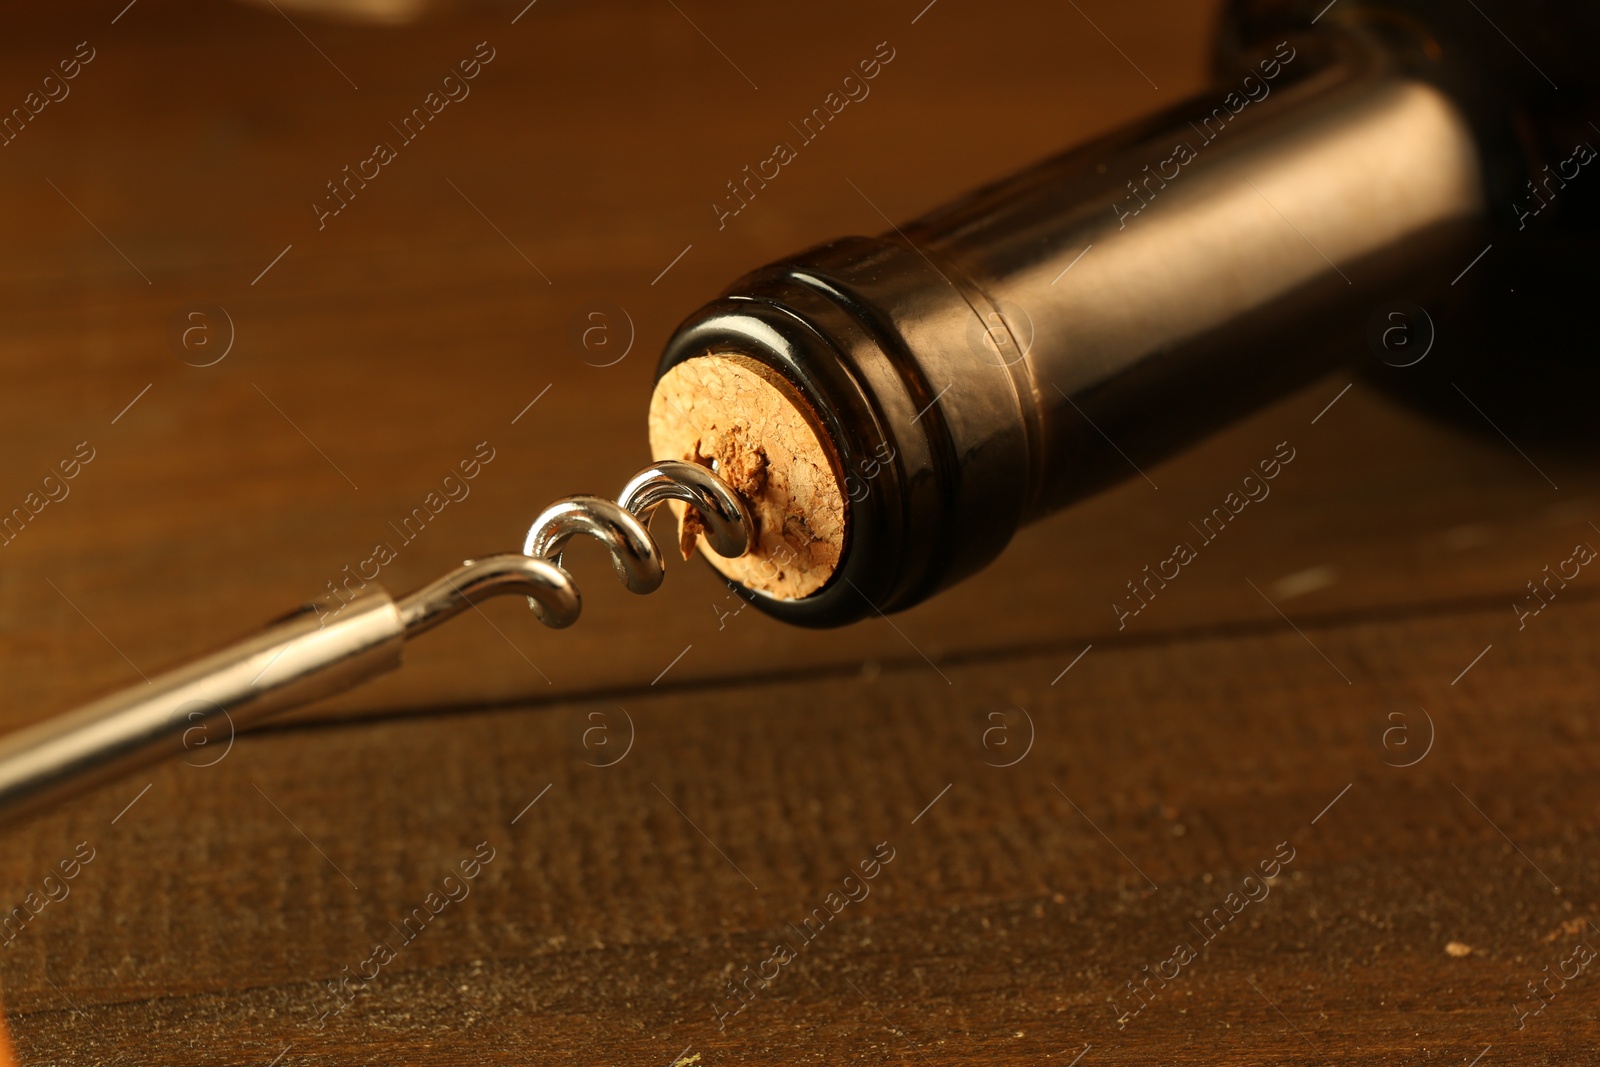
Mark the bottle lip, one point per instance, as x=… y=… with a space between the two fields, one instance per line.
x=872 y=334
x=846 y=423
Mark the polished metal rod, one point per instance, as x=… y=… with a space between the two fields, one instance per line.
x=306 y=656
x=287 y=663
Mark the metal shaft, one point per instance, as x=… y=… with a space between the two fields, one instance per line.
x=315 y=652
x=285 y=664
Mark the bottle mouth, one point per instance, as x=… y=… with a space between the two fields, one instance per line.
x=864 y=335
x=791 y=356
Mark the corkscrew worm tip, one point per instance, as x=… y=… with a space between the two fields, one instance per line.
x=621 y=524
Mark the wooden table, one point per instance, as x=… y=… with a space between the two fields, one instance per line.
x=669 y=791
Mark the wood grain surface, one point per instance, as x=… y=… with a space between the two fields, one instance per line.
x=670 y=790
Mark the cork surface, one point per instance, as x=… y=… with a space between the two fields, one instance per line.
x=742 y=420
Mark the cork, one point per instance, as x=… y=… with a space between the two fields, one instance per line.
x=745 y=422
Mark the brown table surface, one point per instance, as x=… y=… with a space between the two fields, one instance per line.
x=1359 y=619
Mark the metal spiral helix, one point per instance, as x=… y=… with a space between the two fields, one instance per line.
x=622 y=525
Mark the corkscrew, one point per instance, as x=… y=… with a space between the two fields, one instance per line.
x=884 y=413
x=312 y=653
